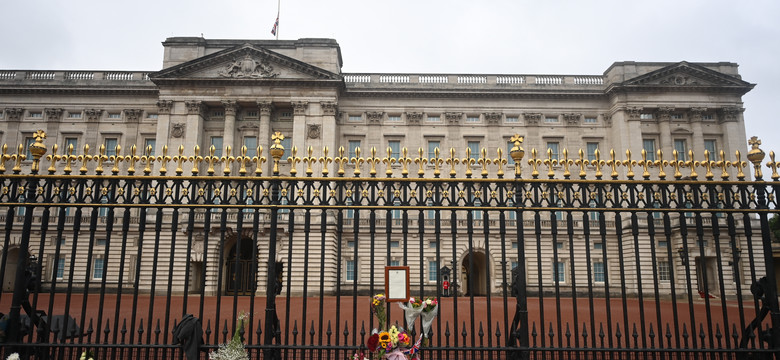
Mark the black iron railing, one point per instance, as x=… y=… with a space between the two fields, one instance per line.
x=566 y=266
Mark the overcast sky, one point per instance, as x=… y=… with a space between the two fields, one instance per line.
x=476 y=36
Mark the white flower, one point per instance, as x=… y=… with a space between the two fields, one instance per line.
x=13 y=356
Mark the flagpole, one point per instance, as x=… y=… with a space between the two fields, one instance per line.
x=278 y=9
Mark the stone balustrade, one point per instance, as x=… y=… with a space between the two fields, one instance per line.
x=56 y=76
x=476 y=80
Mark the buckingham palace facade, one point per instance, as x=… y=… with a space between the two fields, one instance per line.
x=237 y=93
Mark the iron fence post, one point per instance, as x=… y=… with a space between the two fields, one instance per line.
x=271 y=319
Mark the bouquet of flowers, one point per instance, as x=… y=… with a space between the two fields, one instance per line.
x=395 y=343
x=234 y=350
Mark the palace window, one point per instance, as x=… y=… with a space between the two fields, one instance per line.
x=216 y=142
x=590 y=120
x=512 y=119
x=646 y=116
x=111 y=144
x=59 y=271
x=649 y=146
x=472 y=119
x=36 y=114
x=553 y=145
x=559 y=272
x=677 y=116
x=27 y=142
x=551 y=119
x=356 y=118
x=395 y=263
x=711 y=146
x=152 y=116
x=353 y=146
x=433 y=271
x=74 y=115
x=432 y=146
x=97 y=268
x=395 y=148
x=707 y=117
x=598 y=271
x=474 y=147
x=251 y=145
x=114 y=115
x=351 y=271
x=434 y=118
x=682 y=149
x=591 y=148
x=74 y=142
x=664 y=271
x=150 y=142
x=394 y=118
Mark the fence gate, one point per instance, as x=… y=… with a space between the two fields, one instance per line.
x=542 y=257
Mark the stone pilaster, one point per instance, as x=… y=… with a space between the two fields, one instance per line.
x=665 y=141
x=229 y=131
x=193 y=131
x=264 y=109
x=698 y=135
x=733 y=129
x=163 y=125
x=328 y=132
x=533 y=141
x=299 y=127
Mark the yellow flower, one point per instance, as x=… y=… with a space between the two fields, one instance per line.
x=384 y=339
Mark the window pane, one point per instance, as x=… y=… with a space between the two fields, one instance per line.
x=711 y=146
x=474 y=147
x=97 y=272
x=148 y=143
x=111 y=146
x=353 y=144
x=216 y=142
x=433 y=271
x=350 y=270
x=598 y=272
x=72 y=141
x=554 y=147
x=395 y=147
x=432 y=146
x=682 y=149
x=592 y=146
x=60 y=268
x=649 y=146
x=251 y=145
x=663 y=271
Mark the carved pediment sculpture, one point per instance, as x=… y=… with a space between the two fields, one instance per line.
x=248 y=67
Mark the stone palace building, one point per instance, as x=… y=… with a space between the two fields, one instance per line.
x=238 y=93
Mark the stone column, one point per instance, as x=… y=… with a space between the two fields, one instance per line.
x=327 y=132
x=299 y=129
x=494 y=138
x=193 y=128
x=264 y=109
x=374 y=135
x=231 y=108
x=13 y=116
x=697 y=142
x=532 y=139
x=631 y=136
x=163 y=126
x=733 y=126
x=665 y=141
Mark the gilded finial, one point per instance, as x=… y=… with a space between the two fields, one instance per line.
x=501 y=162
x=18 y=157
x=772 y=164
x=707 y=165
x=598 y=163
x=534 y=162
x=211 y=159
x=756 y=156
x=227 y=160
x=645 y=164
x=372 y=162
x=613 y=162
x=68 y=158
x=277 y=150
x=676 y=164
x=132 y=159
x=661 y=163
x=37 y=149
x=3 y=158
x=325 y=160
x=196 y=159
x=259 y=160
x=566 y=162
x=630 y=165
x=242 y=160
x=452 y=161
x=420 y=160
x=148 y=159
x=551 y=163
x=53 y=159
x=84 y=158
x=405 y=160
x=116 y=159
x=468 y=161
x=723 y=164
x=740 y=165
x=581 y=162
x=100 y=158
x=179 y=159
x=437 y=162
x=309 y=159
x=293 y=160
x=341 y=160
x=357 y=161
x=484 y=162
x=389 y=161
x=692 y=163
x=517 y=153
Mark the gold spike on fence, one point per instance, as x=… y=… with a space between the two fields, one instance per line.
x=286 y=162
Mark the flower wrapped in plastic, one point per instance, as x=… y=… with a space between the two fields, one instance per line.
x=429 y=312
x=234 y=350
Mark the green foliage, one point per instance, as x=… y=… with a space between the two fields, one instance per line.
x=774 y=226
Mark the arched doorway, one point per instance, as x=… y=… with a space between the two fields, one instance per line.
x=11 y=262
x=239 y=269
x=473 y=269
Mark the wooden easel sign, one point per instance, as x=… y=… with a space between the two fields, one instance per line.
x=396 y=283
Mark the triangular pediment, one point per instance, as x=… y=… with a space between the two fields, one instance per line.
x=686 y=75
x=246 y=62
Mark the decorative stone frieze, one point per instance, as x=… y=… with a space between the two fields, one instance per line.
x=93 y=115
x=634 y=112
x=329 y=108
x=374 y=117
x=133 y=114
x=164 y=106
x=696 y=113
x=414 y=118
x=607 y=119
x=493 y=118
x=453 y=118
x=14 y=114
x=195 y=107
x=53 y=114
x=231 y=108
x=572 y=119
x=731 y=113
x=248 y=67
x=532 y=119
x=665 y=113
x=177 y=129
x=265 y=108
x=313 y=131
x=299 y=107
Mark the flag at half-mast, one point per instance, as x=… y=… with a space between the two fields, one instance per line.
x=276 y=26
